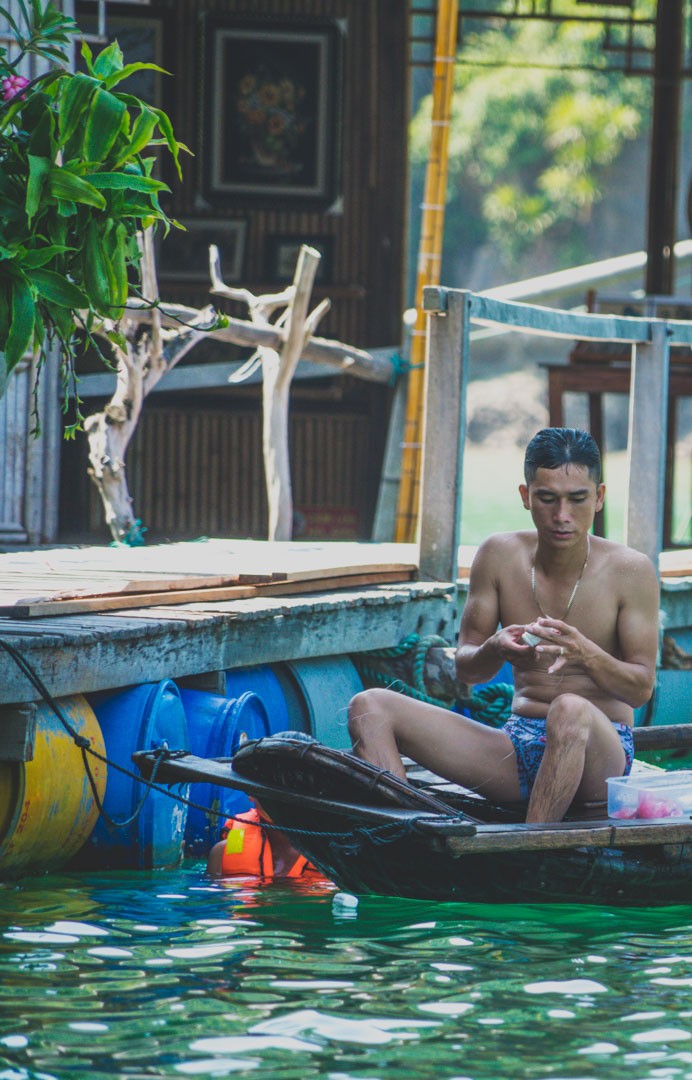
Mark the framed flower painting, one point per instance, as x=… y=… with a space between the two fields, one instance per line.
x=272 y=109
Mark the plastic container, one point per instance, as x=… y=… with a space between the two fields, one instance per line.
x=661 y=795
x=143 y=717
x=47 y=807
x=218 y=727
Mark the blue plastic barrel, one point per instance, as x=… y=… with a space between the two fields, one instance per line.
x=294 y=698
x=217 y=727
x=283 y=701
x=327 y=684
x=143 y=717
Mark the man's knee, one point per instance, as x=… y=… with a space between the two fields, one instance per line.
x=365 y=708
x=569 y=719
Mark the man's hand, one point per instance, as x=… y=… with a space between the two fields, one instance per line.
x=559 y=640
x=509 y=644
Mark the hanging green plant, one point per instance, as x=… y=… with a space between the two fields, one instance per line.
x=76 y=186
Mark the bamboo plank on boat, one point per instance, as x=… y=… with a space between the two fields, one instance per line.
x=663 y=737
x=563 y=835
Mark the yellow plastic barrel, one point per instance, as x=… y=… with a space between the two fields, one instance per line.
x=47 y=808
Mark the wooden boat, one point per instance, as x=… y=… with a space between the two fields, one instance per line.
x=372 y=833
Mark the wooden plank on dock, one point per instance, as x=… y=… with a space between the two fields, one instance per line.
x=31 y=579
x=94 y=604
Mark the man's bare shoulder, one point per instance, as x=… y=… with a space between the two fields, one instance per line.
x=502 y=545
x=499 y=552
x=622 y=563
x=620 y=556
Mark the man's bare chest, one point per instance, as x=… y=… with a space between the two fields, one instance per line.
x=593 y=609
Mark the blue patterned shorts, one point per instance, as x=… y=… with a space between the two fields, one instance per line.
x=528 y=739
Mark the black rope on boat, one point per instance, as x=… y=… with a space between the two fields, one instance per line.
x=349 y=842
x=82 y=742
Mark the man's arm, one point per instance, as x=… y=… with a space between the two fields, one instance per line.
x=630 y=676
x=483 y=647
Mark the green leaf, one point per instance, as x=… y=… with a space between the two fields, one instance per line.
x=108 y=61
x=61 y=318
x=117 y=181
x=21 y=333
x=103 y=124
x=174 y=146
x=88 y=57
x=41 y=141
x=13 y=25
x=65 y=185
x=39 y=168
x=94 y=271
x=130 y=69
x=118 y=339
x=74 y=103
x=39 y=257
x=116 y=266
x=5 y=293
x=143 y=129
x=57 y=289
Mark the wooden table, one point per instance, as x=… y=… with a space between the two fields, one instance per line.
x=612 y=376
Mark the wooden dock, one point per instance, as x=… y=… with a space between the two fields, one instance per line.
x=95 y=618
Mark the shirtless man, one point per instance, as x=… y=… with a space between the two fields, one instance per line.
x=592 y=608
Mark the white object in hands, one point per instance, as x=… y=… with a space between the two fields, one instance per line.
x=530 y=639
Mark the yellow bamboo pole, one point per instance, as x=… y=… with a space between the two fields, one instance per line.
x=428 y=268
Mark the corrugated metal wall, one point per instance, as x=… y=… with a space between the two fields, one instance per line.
x=194 y=473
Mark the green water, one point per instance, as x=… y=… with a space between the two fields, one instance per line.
x=171 y=975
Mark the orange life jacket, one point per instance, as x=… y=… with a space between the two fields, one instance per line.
x=247 y=849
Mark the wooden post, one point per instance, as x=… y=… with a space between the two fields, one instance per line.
x=17 y=732
x=278 y=371
x=665 y=147
x=446 y=367
x=647 y=439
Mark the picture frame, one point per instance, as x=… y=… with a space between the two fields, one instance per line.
x=140 y=36
x=281 y=255
x=184 y=255
x=272 y=109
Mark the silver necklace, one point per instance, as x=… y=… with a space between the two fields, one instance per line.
x=574 y=590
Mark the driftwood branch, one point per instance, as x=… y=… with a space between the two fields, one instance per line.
x=152 y=337
x=142 y=359
x=334 y=354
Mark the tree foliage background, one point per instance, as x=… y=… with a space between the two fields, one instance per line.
x=536 y=130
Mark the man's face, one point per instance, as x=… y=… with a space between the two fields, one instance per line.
x=562 y=503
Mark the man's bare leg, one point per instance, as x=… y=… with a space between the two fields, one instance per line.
x=582 y=750
x=383 y=725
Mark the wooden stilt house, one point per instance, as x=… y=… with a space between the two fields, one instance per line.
x=295 y=112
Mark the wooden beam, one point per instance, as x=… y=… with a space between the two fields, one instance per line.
x=647 y=443
x=563 y=836
x=444 y=434
x=17 y=732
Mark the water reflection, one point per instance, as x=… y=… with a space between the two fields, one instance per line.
x=169 y=975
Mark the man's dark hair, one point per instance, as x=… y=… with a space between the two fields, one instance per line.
x=556 y=446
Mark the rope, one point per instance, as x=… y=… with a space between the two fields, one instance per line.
x=378 y=834
x=489 y=704
x=420 y=646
